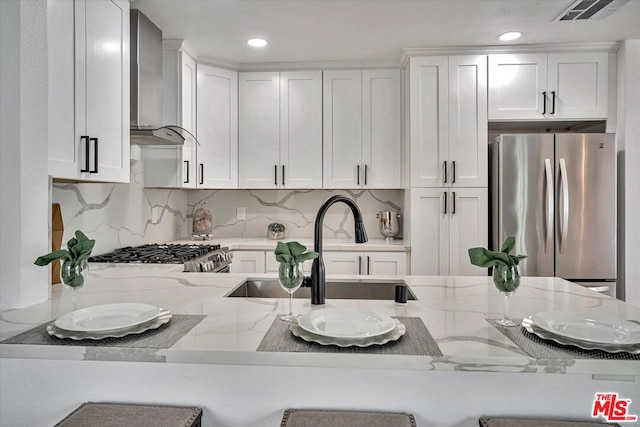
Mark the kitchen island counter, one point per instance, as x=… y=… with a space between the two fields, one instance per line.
x=216 y=365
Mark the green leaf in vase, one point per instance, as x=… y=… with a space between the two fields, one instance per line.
x=282 y=249
x=296 y=248
x=49 y=258
x=306 y=256
x=508 y=245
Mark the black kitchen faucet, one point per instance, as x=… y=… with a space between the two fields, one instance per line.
x=317 y=279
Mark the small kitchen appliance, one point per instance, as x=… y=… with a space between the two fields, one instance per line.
x=389 y=225
x=198 y=258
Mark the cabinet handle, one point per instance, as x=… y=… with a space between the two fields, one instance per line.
x=553 y=102
x=283 y=175
x=368 y=264
x=366 y=169
x=201 y=173
x=359 y=265
x=445 y=171
x=95 y=155
x=544 y=102
x=186 y=162
x=446 y=194
x=85 y=138
x=453 y=202
x=275 y=174
x=453 y=172
x=358 y=174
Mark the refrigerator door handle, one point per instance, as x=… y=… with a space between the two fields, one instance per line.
x=549 y=185
x=564 y=183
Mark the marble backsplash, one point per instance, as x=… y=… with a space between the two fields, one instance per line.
x=295 y=209
x=118 y=215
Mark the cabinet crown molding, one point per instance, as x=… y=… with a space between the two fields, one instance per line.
x=523 y=48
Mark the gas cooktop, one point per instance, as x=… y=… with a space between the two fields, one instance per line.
x=158 y=254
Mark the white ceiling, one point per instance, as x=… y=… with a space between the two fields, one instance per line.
x=370 y=30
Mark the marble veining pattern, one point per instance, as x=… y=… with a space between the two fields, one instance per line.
x=296 y=209
x=118 y=215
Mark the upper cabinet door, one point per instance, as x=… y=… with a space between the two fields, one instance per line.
x=429 y=128
x=580 y=84
x=518 y=86
x=259 y=135
x=217 y=127
x=102 y=86
x=342 y=125
x=187 y=81
x=468 y=121
x=300 y=129
x=381 y=145
x=88 y=43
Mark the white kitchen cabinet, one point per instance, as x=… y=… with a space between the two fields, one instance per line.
x=538 y=86
x=175 y=167
x=445 y=223
x=280 y=129
x=448 y=121
x=247 y=262
x=217 y=127
x=361 y=129
x=88 y=43
x=378 y=263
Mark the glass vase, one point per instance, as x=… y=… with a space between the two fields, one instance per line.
x=73 y=274
x=290 y=277
x=507 y=279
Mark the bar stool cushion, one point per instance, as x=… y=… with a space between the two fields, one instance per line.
x=537 y=422
x=132 y=415
x=322 y=418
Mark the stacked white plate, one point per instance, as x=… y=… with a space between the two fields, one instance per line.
x=109 y=321
x=346 y=327
x=588 y=331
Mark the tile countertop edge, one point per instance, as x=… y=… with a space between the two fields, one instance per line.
x=257 y=244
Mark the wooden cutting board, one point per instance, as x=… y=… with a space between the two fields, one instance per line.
x=57 y=230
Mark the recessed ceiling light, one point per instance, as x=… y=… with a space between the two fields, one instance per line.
x=257 y=42
x=511 y=35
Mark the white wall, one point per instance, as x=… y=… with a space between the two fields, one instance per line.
x=628 y=131
x=24 y=184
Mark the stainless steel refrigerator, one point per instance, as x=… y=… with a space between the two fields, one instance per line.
x=557 y=194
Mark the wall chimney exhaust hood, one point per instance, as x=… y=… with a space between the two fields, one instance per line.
x=146 y=86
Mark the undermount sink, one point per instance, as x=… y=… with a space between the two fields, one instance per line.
x=270 y=288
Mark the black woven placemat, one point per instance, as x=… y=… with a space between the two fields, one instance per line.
x=163 y=337
x=417 y=341
x=540 y=348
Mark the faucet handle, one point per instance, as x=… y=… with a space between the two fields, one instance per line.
x=307 y=281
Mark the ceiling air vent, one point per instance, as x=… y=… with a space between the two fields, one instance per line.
x=590 y=9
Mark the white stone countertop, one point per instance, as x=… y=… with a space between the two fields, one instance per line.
x=454 y=310
x=256 y=244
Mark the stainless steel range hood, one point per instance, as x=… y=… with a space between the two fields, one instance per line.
x=146 y=86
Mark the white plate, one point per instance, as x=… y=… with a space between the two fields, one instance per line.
x=107 y=317
x=346 y=323
x=161 y=319
x=528 y=324
x=588 y=327
x=398 y=331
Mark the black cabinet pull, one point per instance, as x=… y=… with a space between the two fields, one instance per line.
x=283 y=175
x=95 y=155
x=186 y=163
x=359 y=265
x=368 y=264
x=553 y=102
x=453 y=172
x=201 y=173
x=453 y=202
x=446 y=194
x=358 y=173
x=366 y=170
x=445 y=172
x=544 y=102
x=85 y=138
x=275 y=174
